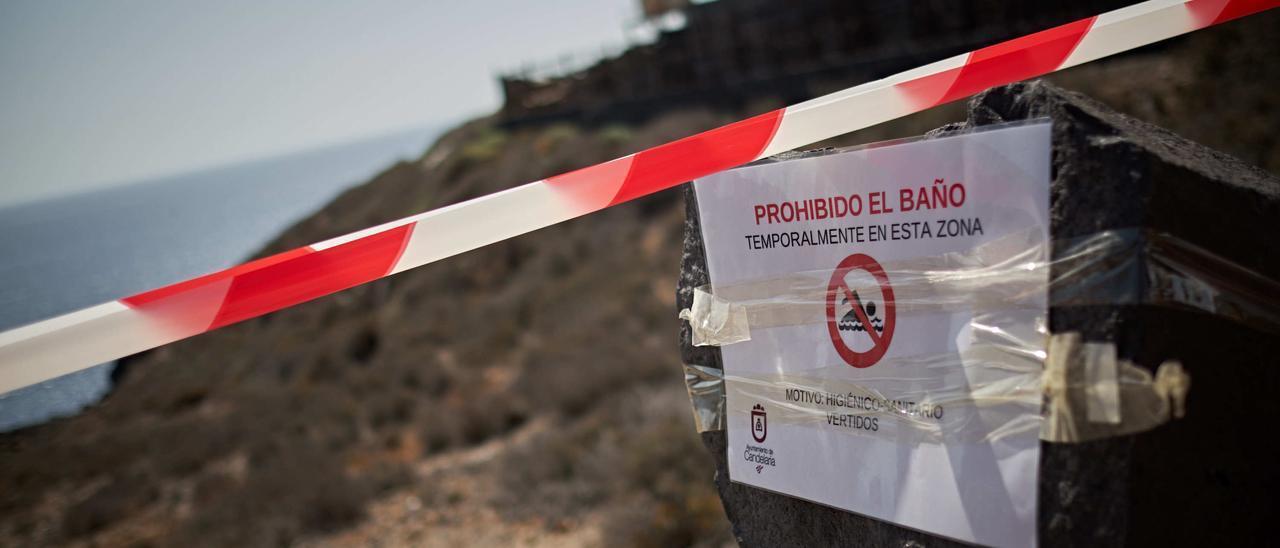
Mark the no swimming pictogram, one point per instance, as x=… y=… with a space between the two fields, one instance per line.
x=860 y=327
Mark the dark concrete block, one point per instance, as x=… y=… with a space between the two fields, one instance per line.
x=1209 y=478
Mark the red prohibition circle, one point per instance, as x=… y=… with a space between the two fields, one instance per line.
x=838 y=288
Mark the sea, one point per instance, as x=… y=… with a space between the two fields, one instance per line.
x=63 y=254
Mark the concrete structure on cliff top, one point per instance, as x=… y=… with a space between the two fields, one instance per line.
x=1208 y=478
x=729 y=52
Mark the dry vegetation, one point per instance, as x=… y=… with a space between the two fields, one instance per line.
x=288 y=426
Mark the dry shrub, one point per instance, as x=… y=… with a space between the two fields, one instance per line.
x=637 y=449
x=297 y=492
x=115 y=500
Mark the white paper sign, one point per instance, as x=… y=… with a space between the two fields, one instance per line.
x=881 y=407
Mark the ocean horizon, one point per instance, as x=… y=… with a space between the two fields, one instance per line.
x=62 y=254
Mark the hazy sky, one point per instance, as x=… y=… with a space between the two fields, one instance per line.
x=96 y=92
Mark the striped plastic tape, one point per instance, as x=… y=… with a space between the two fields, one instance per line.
x=78 y=340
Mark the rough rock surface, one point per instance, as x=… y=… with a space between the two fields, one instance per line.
x=1206 y=478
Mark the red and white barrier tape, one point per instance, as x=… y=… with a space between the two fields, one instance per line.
x=75 y=341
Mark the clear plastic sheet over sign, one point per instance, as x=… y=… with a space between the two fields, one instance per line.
x=878 y=369
x=1074 y=391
